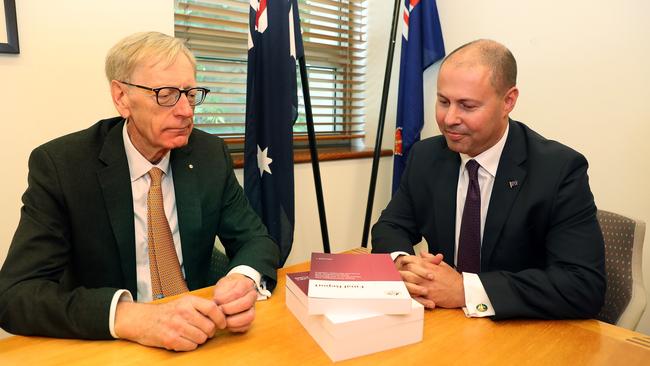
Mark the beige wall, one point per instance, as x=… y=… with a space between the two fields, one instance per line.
x=56 y=84
x=580 y=70
x=345 y=188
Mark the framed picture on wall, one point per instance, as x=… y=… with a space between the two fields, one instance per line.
x=8 y=27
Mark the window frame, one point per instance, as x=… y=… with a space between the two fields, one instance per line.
x=216 y=32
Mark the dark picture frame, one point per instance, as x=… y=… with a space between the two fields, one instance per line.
x=11 y=25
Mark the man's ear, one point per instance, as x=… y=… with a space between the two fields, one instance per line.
x=510 y=99
x=120 y=99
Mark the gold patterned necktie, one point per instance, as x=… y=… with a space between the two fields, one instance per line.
x=166 y=276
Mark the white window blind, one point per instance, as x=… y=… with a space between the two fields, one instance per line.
x=334 y=39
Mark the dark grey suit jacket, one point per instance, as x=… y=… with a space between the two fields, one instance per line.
x=542 y=252
x=75 y=242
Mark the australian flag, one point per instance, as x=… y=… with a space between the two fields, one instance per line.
x=274 y=44
x=422 y=45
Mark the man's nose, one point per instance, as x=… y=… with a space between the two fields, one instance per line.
x=452 y=116
x=183 y=106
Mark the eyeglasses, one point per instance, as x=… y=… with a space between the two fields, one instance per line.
x=168 y=96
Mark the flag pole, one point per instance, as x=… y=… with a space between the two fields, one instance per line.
x=380 y=125
x=314 y=154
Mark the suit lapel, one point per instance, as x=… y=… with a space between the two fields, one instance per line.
x=507 y=183
x=446 y=176
x=115 y=183
x=188 y=209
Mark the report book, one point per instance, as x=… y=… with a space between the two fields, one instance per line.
x=343 y=283
x=348 y=335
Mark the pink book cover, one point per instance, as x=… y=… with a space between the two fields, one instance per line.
x=353 y=282
x=353 y=267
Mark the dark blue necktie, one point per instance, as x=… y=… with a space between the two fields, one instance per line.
x=469 y=242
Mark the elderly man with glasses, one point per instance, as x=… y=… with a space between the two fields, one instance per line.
x=127 y=211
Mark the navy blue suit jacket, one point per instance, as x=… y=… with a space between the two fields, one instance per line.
x=542 y=253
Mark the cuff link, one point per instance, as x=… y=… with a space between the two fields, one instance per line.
x=481 y=308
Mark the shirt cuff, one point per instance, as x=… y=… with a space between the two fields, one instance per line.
x=120 y=295
x=260 y=284
x=394 y=255
x=477 y=302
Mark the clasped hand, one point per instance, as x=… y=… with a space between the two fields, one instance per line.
x=431 y=281
x=185 y=323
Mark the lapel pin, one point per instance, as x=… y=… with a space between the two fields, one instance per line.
x=513 y=183
x=191 y=166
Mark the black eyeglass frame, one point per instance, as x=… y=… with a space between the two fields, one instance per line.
x=180 y=92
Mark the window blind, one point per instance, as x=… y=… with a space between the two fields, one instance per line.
x=334 y=38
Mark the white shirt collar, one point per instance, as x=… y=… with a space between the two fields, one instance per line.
x=138 y=164
x=488 y=159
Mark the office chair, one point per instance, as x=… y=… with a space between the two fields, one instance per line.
x=625 y=299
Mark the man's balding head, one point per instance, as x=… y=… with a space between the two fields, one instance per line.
x=490 y=54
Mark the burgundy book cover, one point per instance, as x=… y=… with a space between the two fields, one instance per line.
x=301 y=280
x=356 y=283
x=353 y=267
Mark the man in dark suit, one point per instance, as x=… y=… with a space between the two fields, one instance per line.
x=89 y=241
x=508 y=214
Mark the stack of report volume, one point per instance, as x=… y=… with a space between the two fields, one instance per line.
x=354 y=304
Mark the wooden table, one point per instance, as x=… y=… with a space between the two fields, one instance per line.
x=277 y=338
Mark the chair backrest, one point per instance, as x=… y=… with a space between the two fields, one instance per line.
x=625 y=298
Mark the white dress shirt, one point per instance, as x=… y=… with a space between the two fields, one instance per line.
x=139 y=168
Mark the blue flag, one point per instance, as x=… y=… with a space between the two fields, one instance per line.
x=422 y=45
x=274 y=44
